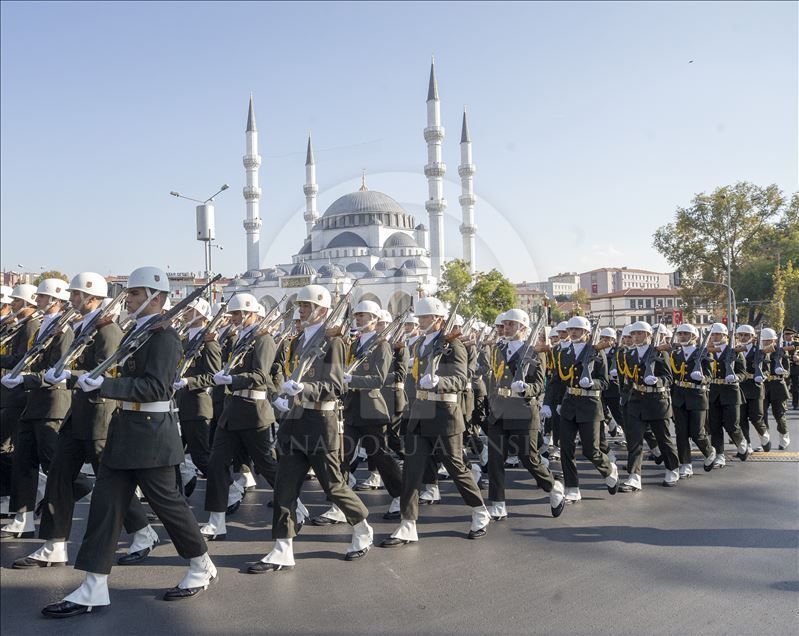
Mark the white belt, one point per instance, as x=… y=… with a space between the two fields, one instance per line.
x=431 y=396
x=320 y=406
x=253 y=395
x=148 y=407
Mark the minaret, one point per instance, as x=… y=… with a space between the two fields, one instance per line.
x=252 y=193
x=434 y=171
x=467 y=198
x=310 y=189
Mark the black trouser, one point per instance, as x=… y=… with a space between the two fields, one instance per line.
x=794 y=386
x=420 y=452
x=515 y=442
x=553 y=427
x=34 y=446
x=612 y=404
x=9 y=418
x=62 y=490
x=690 y=425
x=589 y=439
x=635 y=431
x=113 y=491
x=196 y=435
x=724 y=417
x=649 y=437
x=373 y=440
x=394 y=436
x=778 y=408
x=257 y=442
x=752 y=413
x=291 y=470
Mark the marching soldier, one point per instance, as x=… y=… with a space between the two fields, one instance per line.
x=791 y=346
x=581 y=408
x=143 y=448
x=435 y=426
x=394 y=389
x=309 y=438
x=776 y=391
x=611 y=397
x=514 y=422
x=752 y=390
x=82 y=439
x=727 y=369
x=689 y=392
x=555 y=393
x=26 y=322
x=46 y=407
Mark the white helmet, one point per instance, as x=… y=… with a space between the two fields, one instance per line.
x=53 y=287
x=500 y=317
x=89 y=283
x=201 y=306
x=315 y=294
x=412 y=319
x=150 y=277
x=517 y=315
x=745 y=329
x=664 y=330
x=243 y=302
x=553 y=332
x=686 y=328
x=625 y=331
x=296 y=314
x=608 y=332
x=459 y=321
x=25 y=292
x=5 y=295
x=718 y=327
x=562 y=326
x=578 y=322
x=641 y=326
x=385 y=316
x=368 y=307
x=767 y=334
x=430 y=307
x=261 y=311
x=216 y=307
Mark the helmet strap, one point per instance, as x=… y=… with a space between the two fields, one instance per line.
x=150 y=295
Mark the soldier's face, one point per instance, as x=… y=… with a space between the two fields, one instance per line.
x=306 y=310
x=626 y=340
x=639 y=337
x=717 y=338
x=577 y=334
x=137 y=296
x=17 y=304
x=5 y=309
x=410 y=327
x=564 y=335
x=684 y=337
x=744 y=338
x=42 y=300
x=75 y=299
x=381 y=325
x=426 y=321
x=363 y=320
x=512 y=329
x=501 y=330
x=553 y=340
x=236 y=318
x=767 y=343
x=606 y=340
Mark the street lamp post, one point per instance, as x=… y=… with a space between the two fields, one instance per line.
x=206 y=231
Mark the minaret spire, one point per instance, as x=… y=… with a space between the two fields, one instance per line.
x=252 y=192
x=467 y=198
x=434 y=170
x=310 y=189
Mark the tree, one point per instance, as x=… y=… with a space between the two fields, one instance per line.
x=51 y=274
x=456 y=279
x=491 y=294
x=581 y=296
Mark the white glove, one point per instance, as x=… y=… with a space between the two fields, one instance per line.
x=557 y=409
x=696 y=375
x=282 y=404
x=51 y=378
x=220 y=378
x=586 y=383
x=651 y=380
x=293 y=388
x=10 y=382
x=731 y=379
x=87 y=384
x=180 y=384
x=546 y=412
x=759 y=379
x=428 y=382
x=519 y=386
x=779 y=371
x=347 y=378
x=614 y=373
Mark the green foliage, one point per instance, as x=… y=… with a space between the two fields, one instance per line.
x=455 y=282
x=581 y=296
x=51 y=274
x=486 y=294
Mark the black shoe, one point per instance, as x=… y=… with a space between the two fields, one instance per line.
x=66 y=609
x=499 y=518
x=363 y=487
x=767 y=447
x=668 y=484
x=261 y=568
x=393 y=542
x=324 y=521
x=742 y=456
x=558 y=509
x=708 y=468
x=614 y=489
x=357 y=554
x=215 y=537
x=190 y=486
x=477 y=534
x=134 y=557
x=180 y=593
x=428 y=502
x=28 y=563
x=233 y=507
x=5 y=534
x=391 y=516
x=628 y=488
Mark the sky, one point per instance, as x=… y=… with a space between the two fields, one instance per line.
x=591 y=122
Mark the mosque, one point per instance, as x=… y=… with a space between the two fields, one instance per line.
x=365 y=235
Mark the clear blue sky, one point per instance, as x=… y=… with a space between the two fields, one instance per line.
x=589 y=123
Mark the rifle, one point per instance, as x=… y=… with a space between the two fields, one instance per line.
x=701 y=352
x=528 y=353
x=588 y=355
x=247 y=342
x=138 y=335
x=393 y=329
x=441 y=343
x=43 y=341
x=759 y=356
x=86 y=335
x=780 y=351
x=652 y=352
x=8 y=332
x=197 y=343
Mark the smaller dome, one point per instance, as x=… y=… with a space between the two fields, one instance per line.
x=401 y=271
x=303 y=269
x=400 y=239
x=414 y=263
x=381 y=266
x=306 y=249
x=373 y=273
x=347 y=239
x=274 y=273
x=332 y=270
x=357 y=268
x=253 y=273
x=420 y=227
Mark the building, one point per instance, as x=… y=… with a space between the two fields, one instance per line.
x=529 y=297
x=564 y=284
x=181 y=284
x=614 y=279
x=363 y=236
x=621 y=308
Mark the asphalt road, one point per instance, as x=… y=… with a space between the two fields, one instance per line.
x=719 y=554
